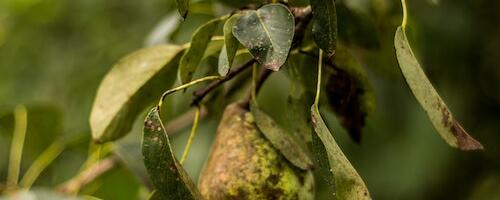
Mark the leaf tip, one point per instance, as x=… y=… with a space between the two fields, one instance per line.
x=464 y=141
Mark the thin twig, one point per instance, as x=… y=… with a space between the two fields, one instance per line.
x=263 y=75
x=184 y=120
x=73 y=185
x=191 y=135
x=198 y=95
x=16 y=150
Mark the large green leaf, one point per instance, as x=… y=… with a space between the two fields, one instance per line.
x=324 y=25
x=183 y=7
x=348 y=183
x=267 y=33
x=199 y=43
x=437 y=111
x=129 y=87
x=280 y=139
x=230 y=47
x=166 y=173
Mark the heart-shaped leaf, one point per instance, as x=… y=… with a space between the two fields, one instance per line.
x=199 y=43
x=230 y=47
x=129 y=87
x=166 y=173
x=324 y=25
x=280 y=139
x=267 y=33
x=437 y=111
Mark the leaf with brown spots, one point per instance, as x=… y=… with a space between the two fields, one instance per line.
x=166 y=173
x=267 y=33
x=437 y=111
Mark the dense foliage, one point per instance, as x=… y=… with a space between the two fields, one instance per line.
x=318 y=50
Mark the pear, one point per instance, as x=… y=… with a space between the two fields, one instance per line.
x=243 y=164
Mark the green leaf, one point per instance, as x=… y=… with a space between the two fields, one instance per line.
x=322 y=165
x=300 y=97
x=437 y=111
x=131 y=86
x=350 y=93
x=230 y=47
x=199 y=43
x=324 y=25
x=182 y=7
x=280 y=139
x=348 y=183
x=166 y=173
x=267 y=33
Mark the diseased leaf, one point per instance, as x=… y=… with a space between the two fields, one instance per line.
x=437 y=111
x=280 y=139
x=324 y=25
x=230 y=47
x=350 y=93
x=199 y=43
x=183 y=7
x=355 y=27
x=166 y=173
x=129 y=87
x=267 y=33
x=348 y=183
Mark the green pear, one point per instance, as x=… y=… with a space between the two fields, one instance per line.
x=243 y=164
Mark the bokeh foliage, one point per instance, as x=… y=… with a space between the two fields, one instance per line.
x=53 y=54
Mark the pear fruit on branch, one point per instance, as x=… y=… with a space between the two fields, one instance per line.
x=243 y=164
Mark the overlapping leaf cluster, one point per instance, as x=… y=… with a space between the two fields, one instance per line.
x=268 y=34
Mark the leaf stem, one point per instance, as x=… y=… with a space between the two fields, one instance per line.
x=184 y=86
x=254 y=84
x=201 y=93
x=16 y=149
x=405 y=13
x=191 y=136
x=45 y=158
x=318 y=86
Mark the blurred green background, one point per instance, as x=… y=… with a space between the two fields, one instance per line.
x=53 y=54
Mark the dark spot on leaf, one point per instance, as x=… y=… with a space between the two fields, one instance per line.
x=344 y=94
